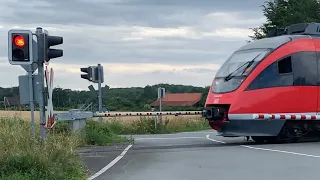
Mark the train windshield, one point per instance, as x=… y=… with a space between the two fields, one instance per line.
x=236 y=69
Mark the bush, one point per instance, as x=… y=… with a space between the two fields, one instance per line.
x=100 y=134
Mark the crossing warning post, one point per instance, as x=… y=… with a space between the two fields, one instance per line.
x=30 y=51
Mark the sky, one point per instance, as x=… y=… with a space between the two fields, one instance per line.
x=138 y=42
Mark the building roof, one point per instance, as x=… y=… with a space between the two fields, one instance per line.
x=179 y=99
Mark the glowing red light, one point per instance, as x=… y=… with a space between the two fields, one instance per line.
x=19 y=41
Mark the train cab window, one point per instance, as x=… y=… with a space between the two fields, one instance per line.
x=276 y=74
x=285 y=65
x=299 y=69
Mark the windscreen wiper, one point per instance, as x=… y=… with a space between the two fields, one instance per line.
x=248 y=63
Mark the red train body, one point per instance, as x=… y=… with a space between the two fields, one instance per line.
x=274 y=75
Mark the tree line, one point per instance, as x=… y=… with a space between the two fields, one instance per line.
x=114 y=99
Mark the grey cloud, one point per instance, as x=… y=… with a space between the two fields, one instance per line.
x=126 y=79
x=152 y=13
x=95 y=32
x=163 y=50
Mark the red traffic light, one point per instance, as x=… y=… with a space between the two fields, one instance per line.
x=19 y=41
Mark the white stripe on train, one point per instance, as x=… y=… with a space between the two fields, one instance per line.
x=278 y=116
x=287 y=116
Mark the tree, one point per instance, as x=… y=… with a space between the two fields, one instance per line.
x=281 y=13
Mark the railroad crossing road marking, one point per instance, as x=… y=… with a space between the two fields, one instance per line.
x=265 y=149
x=112 y=163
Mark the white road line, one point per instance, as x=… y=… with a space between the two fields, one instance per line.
x=111 y=163
x=287 y=152
x=207 y=137
x=265 y=149
x=155 y=138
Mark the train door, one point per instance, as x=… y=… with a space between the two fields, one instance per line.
x=305 y=77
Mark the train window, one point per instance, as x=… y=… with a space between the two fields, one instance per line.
x=299 y=69
x=270 y=77
x=276 y=74
x=285 y=65
x=305 y=69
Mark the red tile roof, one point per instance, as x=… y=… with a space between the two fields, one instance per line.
x=179 y=99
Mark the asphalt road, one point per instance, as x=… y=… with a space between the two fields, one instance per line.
x=203 y=155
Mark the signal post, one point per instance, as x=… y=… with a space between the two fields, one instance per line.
x=23 y=50
x=95 y=74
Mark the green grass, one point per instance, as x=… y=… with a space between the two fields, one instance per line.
x=94 y=133
x=23 y=157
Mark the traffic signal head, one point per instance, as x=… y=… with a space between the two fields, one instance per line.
x=89 y=73
x=20 y=47
x=98 y=70
x=52 y=41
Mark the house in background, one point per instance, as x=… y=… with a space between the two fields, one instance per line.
x=179 y=100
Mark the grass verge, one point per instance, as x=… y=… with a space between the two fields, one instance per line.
x=23 y=157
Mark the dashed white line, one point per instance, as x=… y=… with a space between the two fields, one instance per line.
x=112 y=163
x=265 y=149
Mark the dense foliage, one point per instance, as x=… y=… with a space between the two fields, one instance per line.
x=114 y=99
x=281 y=13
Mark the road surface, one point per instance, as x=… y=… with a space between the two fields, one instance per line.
x=203 y=155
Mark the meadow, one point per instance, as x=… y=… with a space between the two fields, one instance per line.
x=123 y=119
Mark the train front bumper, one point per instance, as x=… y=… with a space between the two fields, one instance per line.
x=212 y=114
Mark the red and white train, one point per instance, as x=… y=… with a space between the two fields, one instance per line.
x=269 y=89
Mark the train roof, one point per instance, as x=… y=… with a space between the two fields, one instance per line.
x=279 y=36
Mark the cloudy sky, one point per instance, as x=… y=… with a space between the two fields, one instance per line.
x=139 y=42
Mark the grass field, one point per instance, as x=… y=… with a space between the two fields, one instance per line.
x=135 y=124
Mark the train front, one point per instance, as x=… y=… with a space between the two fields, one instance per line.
x=230 y=81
